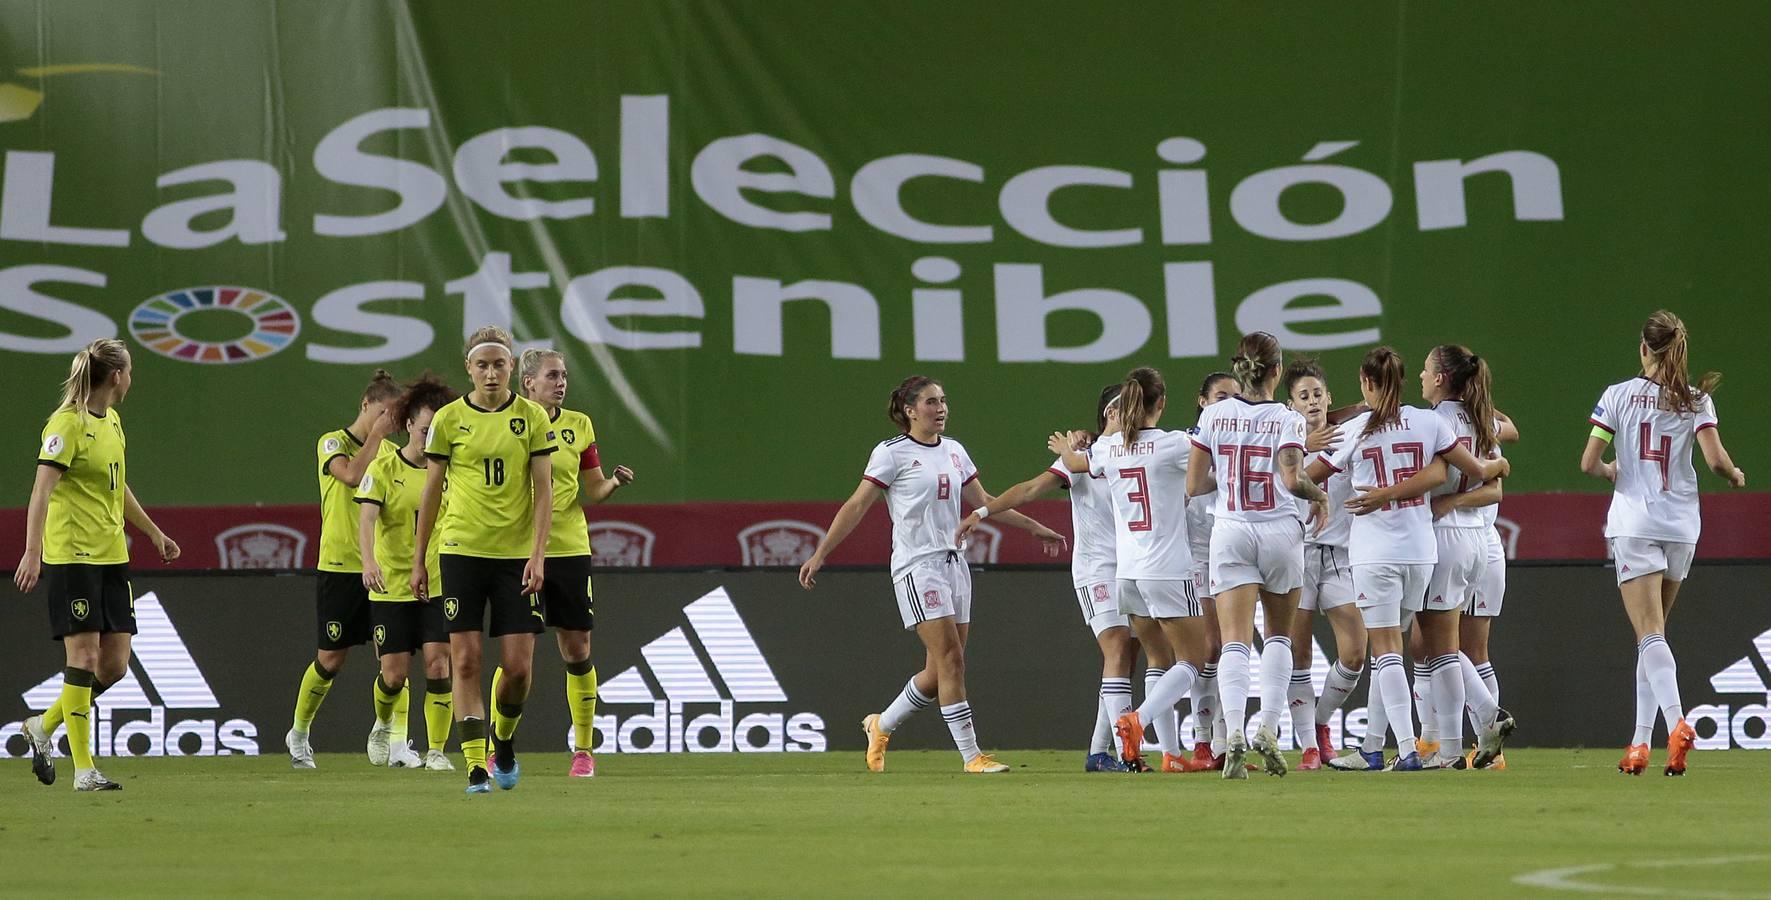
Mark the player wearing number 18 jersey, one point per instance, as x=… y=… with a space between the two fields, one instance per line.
x=495 y=448
x=1399 y=449
x=1255 y=444
x=1651 y=421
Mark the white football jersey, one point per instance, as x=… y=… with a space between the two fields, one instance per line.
x=1199 y=522
x=1456 y=482
x=1091 y=522
x=1401 y=532
x=922 y=484
x=1148 y=485
x=1656 y=492
x=1340 y=522
x=1244 y=440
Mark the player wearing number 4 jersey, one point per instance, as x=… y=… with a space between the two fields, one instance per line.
x=74 y=541
x=1091 y=574
x=924 y=477
x=1400 y=452
x=495 y=449
x=1651 y=421
x=1255 y=446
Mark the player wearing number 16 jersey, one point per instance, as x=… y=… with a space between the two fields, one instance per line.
x=1398 y=449
x=1255 y=444
x=1652 y=420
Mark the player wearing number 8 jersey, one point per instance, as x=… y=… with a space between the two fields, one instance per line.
x=1255 y=444
x=495 y=448
x=924 y=476
x=1651 y=421
x=1399 y=453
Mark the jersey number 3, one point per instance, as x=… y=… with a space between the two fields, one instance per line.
x=1139 y=496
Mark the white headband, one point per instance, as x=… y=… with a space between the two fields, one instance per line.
x=476 y=348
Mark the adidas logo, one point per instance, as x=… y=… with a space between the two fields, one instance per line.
x=1733 y=727
x=166 y=668
x=713 y=662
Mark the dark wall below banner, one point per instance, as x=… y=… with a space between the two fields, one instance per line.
x=746 y=661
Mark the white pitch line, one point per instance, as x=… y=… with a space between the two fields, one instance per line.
x=1563 y=879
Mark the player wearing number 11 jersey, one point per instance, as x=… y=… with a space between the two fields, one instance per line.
x=1651 y=421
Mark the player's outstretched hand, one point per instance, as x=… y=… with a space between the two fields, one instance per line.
x=30 y=566
x=1058 y=443
x=1054 y=543
x=623 y=476
x=966 y=526
x=533 y=575
x=1319 y=515
x=808 y=573
x=1323 y=439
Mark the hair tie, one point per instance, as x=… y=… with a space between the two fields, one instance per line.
x=477 y=347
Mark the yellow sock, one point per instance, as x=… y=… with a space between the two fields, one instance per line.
x=384 y=701
x=473 y=742
x=315 y=684
x=581 y=695
x=52 y=717
x=397 y=735
x=505 y=716
x=497 y=676
x=76 y=703
x=439 y=711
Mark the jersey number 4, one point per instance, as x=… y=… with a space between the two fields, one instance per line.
x=1662 y=457
x=1415 y=452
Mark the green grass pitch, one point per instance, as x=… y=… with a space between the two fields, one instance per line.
x=805 y=824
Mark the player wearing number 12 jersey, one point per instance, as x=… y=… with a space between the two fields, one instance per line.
x=495 y=448
x=1255 y=444
x=1400 y=450
x=1651 y=421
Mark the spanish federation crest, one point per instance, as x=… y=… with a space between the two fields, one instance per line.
x=518 y=425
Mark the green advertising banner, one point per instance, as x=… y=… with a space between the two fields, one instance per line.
x=743 y=223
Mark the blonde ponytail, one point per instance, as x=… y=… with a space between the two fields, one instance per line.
x=91 y=368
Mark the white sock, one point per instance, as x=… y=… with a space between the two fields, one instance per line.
x=1233 y=685
x=1663 y=675
x=1396 y=696
x=1115 y=701
x=1159 y=704
x=1335 y=691
x=1486 y=672
x=1102 y=740
x=1447 y=688
x=1423 y=704
x=1275 y=680
x=1302 y=698
x=959 y=721
x=908 y=701
x=1167 y=727
x=1205 y=703
x=1477 y=699
x=1646 y=708
x=1377 y=719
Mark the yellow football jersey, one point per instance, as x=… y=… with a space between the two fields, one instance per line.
x=396 y=486
x=85 y=522
x=338 y=515
x=570 y=536
x=492 y=503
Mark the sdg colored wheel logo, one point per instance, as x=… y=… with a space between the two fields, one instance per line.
x=273 y=324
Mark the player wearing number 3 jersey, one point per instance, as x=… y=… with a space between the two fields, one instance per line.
x=1399 y=453
x=1255 y=445
x=1651 y=421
